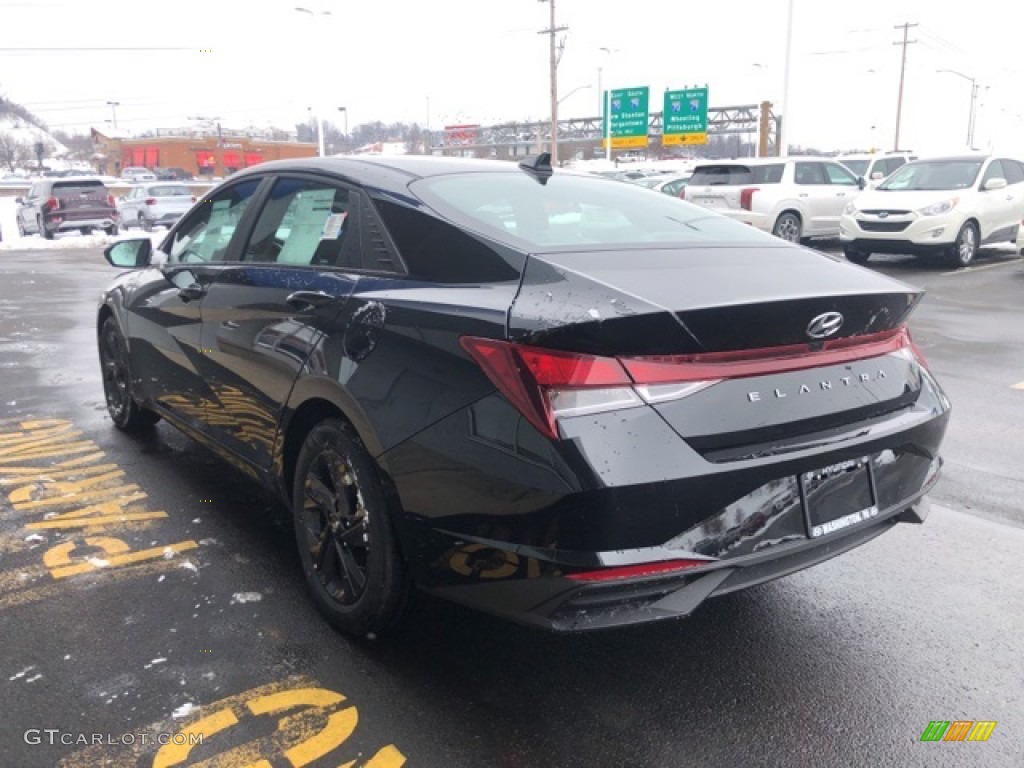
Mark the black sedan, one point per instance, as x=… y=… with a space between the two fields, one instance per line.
x=550 y=396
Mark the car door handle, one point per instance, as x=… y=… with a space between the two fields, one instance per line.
x=191 y=292
x=803 y=194
x=840 y=194
x=306 y=299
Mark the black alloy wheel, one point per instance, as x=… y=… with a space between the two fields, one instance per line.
x=344 y=535
x=126 y=414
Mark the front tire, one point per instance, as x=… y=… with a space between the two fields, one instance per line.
x=344 y=533
x=788 y=227
x=965 y=247
x=127 y=415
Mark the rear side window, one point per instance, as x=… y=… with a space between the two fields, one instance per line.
x=435 y=250
x=307 y=223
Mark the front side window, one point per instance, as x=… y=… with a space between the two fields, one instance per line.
x=995 y=171
x=206 y=234
x=1014 y=171
x=839 y=175
x=307 y=222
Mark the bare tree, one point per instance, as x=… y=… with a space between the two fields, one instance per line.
x=79 y=146
x=12 y=151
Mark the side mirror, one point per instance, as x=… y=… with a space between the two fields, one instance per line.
x=861 y=182
x=19 y=200
x=996 y=183
x=877 y=175
x=130 y=254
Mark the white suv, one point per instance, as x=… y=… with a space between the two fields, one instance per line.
x=944 y=207
x=792 y=197
x=877 y=166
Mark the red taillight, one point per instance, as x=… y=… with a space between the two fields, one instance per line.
x=193 y=198
x=52 y=204
x=636 y=571
x=747 y=197
x=917 y=351
x=150 y=201
x=111 y=201
x=682 y=193
x=545 y=384
x=532 y=378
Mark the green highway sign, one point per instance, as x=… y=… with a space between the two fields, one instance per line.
x=629 y=117
x=685 y=117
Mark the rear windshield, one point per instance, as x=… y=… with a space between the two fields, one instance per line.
x=716 y=175
x=859 y=167
x=571 y=212
x=81 y=185
x=169 y=191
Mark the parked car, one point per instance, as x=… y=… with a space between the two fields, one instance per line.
x=158 y=203
x=793 y=198
x=671 y=184
x=67 y=204
x=135 y=173
x=875 y=167
x=599 y=407
x=943 y=207
x=172 y=174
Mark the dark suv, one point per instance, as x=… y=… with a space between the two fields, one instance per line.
x=62 y=205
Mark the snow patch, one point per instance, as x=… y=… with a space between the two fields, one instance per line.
x=246 y=597
x=183 y=711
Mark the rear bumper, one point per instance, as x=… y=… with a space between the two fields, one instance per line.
x=510 y=528
x=68 y=220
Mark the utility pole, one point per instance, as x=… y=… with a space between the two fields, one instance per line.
x=556 y=51
x=903 y=70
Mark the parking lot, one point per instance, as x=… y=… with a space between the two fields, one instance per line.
x=154 y=613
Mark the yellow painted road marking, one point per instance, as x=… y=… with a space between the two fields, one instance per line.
x=58 y=558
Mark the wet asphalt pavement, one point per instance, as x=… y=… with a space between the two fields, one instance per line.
x=160 y=598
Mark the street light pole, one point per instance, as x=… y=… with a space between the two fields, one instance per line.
x=973 y=101
x=345 y=111
x=783 y=147
x=320 y=111
x=113 y=111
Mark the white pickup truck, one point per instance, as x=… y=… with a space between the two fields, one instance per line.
x=791 y=197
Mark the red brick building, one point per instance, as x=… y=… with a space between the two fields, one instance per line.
x=199 y=155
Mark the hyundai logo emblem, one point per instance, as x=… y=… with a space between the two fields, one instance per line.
x=883 y=214
x=825 y=325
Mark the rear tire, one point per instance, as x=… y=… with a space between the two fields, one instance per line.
x=344 y=533
x=788 y=227
x=127 y=415
x=965 y=247
x=111 y=230
x=855 y=256
x=47 y=234
x=144 y=224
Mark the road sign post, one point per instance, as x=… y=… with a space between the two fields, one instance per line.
x=630 y=116
x=685 y=117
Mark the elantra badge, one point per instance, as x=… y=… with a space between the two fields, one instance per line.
x=825 y=325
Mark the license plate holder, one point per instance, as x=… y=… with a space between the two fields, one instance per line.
x=838 y=496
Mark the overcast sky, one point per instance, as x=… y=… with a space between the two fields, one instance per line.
x=482 y=61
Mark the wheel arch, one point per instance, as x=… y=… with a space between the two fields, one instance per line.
x=312 y=400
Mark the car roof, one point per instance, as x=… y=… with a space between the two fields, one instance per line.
x=386 y=172
x=952 y=158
